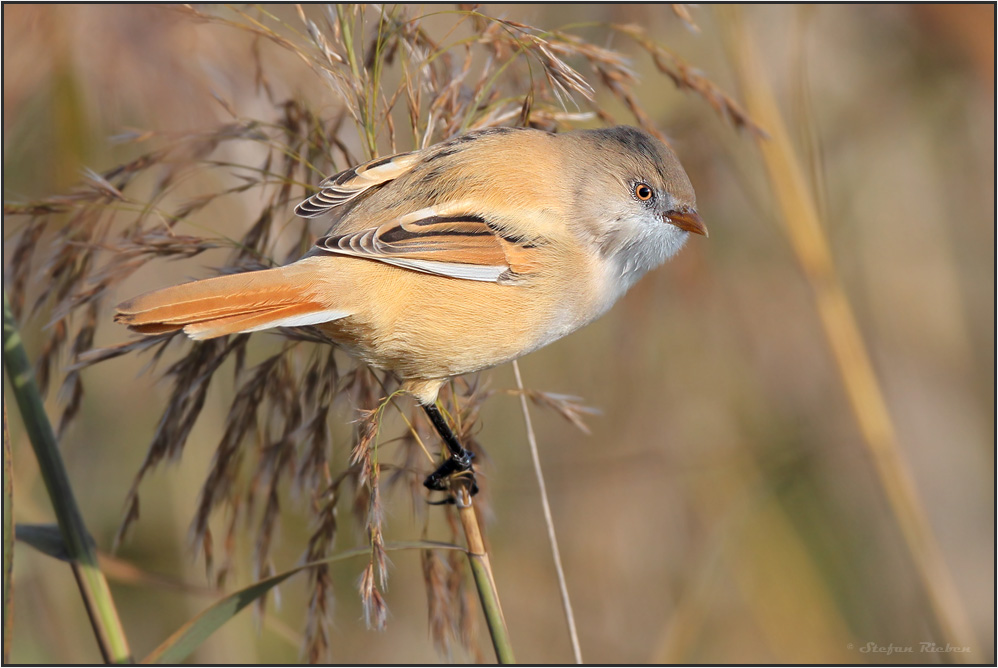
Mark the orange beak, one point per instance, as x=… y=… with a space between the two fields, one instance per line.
x=687 y=220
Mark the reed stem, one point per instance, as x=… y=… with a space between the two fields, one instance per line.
x=481 y=569
x=79 y=545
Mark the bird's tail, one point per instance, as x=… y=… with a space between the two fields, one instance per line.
x=282 y=297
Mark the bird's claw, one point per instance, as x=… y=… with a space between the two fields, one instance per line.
x=456 y=467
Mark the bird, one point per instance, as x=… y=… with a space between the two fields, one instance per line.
x=458 y=257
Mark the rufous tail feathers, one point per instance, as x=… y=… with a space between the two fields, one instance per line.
x=281 y=297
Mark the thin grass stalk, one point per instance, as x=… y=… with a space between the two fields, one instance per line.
x=79 y=545
x=803 y=227
x=481 y=569
x=566 y=603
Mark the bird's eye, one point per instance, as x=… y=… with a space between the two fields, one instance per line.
x=643 y=191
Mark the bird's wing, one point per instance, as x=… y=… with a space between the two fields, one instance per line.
x=346 y=186
x=446 y=240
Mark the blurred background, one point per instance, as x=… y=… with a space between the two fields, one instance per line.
x=725 y=507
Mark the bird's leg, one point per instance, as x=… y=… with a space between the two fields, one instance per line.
x=460 y=459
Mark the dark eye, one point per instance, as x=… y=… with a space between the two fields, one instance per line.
x=643 y=191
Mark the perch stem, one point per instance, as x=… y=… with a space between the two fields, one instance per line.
x=481 y=569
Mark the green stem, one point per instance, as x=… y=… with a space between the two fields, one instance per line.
x=481 y=569
x=490 y=606
x=79 y=544
x=8 y=541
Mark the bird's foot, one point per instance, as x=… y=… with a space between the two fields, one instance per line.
x=457 y=467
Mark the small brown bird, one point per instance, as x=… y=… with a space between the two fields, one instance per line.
x=458 y=257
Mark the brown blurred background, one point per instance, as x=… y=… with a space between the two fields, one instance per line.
x=724 y=508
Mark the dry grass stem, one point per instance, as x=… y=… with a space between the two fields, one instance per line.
x=801 y=223
x=566 y=601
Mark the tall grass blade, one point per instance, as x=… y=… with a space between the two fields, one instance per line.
x=79 y=544
x=8 y=541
